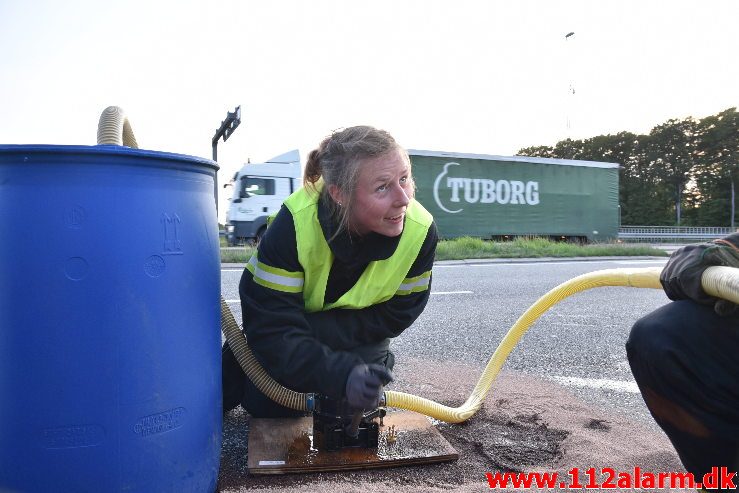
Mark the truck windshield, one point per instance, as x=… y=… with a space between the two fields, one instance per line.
x=256 y=186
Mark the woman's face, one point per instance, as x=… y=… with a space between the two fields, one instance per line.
x=383 y=192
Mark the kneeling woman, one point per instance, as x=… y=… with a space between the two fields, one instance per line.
x=344 y=267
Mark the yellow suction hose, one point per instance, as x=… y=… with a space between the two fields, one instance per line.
x=256 y=373
x=641 y=278
x=721 y=282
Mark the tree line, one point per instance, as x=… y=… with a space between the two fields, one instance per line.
x=684 y=172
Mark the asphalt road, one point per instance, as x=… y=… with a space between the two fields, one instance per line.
x=574 y=353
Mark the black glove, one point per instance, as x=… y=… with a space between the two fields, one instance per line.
x=364 y=385
x=681 y=277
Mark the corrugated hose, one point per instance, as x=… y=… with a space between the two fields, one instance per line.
x=722 y=282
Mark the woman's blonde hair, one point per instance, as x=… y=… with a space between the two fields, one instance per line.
x=338 y=160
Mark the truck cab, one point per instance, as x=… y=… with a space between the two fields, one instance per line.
x=258 y=192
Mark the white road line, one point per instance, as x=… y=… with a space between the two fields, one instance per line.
x=598 y=383
x=451 y=292
x=660 y=262
x=433 y=292
x=503 y=264
x=516 y=264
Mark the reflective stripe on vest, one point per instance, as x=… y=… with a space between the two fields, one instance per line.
x=381 y=279
x=275 y=278
x=415 y=284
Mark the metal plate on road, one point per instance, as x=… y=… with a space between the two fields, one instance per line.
x=285 y=445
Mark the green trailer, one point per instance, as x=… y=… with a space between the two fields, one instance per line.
x=506 y=196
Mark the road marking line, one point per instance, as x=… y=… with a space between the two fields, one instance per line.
x=660 y=262
x=598 y=383
x=511 y=264
x=434 y=292
x=515 y=264
x=504 y=264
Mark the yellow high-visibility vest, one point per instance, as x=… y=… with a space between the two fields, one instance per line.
x=380 y=281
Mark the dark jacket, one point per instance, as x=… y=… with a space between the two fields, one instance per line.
x=314 y=352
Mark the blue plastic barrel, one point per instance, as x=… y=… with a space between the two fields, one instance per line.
x=110 y=376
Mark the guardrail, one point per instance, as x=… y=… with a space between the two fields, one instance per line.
x=672 y=233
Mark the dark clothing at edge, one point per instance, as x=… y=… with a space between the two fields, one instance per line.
x=685 y=359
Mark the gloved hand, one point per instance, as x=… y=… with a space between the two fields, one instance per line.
x=681 y=277
x=364 y=385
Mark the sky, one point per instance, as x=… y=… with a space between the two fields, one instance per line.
x=469 y=76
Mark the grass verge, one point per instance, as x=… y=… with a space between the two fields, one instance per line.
x=475 y=248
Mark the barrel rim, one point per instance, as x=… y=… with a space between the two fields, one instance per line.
x=107 y=150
